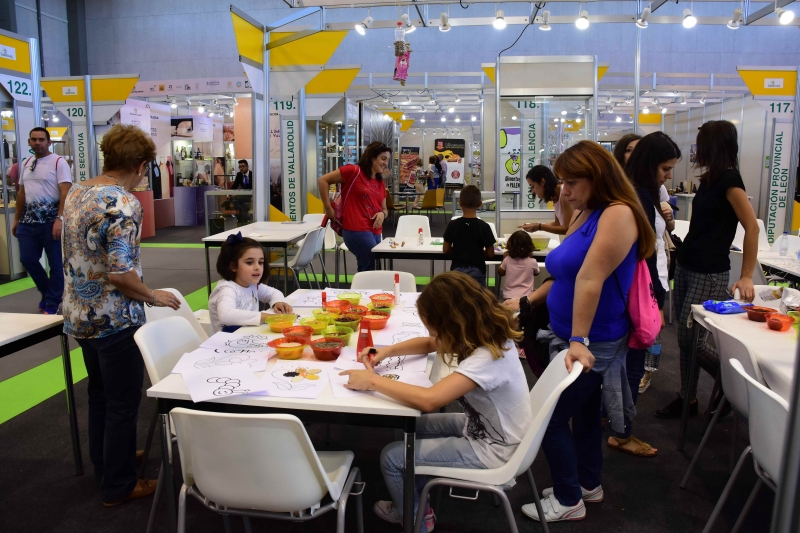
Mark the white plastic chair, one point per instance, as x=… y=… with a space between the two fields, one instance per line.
x=768 y=424
x=158 y=313
x=383 y=280
x=763 y=241
x=343 y=249
x=408 y=227
x=736 y=259
x=263 y=466
x=733 y=387
x=303 y=258
x=544 y=396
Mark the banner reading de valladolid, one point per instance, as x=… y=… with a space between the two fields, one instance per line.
x=291 y=201
x=453 y=151
x=408 y=163
x=778 y=197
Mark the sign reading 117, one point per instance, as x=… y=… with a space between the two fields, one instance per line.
x=17 y=87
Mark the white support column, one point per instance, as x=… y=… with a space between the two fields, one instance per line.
x=264 y=197
x=637 y=67
x=793 y=161
x=91 y=143
x=497 y=189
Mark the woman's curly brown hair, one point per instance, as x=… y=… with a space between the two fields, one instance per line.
x=464 y=316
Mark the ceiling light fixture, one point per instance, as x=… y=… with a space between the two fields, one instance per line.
x=689 y=20
x=555 y=120
x=201 y=109
x=655 y=100
x=473 y=118
x=608 y=99
x=703 y=99
x=458 y=98
x=445 y=24
x=499 y=20
x=642 y=20
x=480 y=96
x=619 y=118
x=55 y=117
x=364 y=26
x=444 y=119
x=578 y=120
x=210 y=114
x=173 y=104
x=564 y=112
x=458 y=119
x=422 y=120
x=583 y=19
x=403 y=117
x=784 y=16
x=545 y=26
x=736 y=19
x=646 y=110
x=451 y=109
x=514 y=117
x=663 y=110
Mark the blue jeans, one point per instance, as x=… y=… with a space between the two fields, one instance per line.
x=634 y=368
x=439 y=442
x=473 y=272
x=33 y=239
x=576 y=457
x=361 y=244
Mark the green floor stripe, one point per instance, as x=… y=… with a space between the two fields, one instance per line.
x=170 y=245
x=29 y=389
x=199 y=298
x=13 y=287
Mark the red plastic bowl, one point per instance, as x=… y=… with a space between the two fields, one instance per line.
x=779 y=321
x=376 y=319
x=358 y=310
x=758 y=314
x=327 y=354
x=300 y=332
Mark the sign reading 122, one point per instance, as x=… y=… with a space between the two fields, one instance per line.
x=18 y=87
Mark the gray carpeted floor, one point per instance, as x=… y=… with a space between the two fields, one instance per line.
x=39 y=491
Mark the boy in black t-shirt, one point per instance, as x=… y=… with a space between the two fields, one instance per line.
x=469 y=239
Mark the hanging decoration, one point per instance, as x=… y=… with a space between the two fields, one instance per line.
x=402 y=52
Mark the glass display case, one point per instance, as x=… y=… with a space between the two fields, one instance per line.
x=192 y=163
x=227 y=210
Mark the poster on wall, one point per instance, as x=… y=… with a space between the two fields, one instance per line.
x=291 y=202
x=510 y=160
x=778 y=197
x=181 y=127
x=408 y=164
x=203 y=129
x=136 y=114
x=453 y=151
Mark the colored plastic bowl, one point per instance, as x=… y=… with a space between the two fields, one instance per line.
x=348 y=321
x=338 y=332
x=288 y=347
x=376 y=319
x=323 y=314
x=796 y=316
x=316 y=323
x=383 y=298
x=327 y=348
x=353 y=298
x=381 y=307
x=337 y=307
x=779 y=321
x=758 y=314
x=540 y=243
x=277 y=323
x=302 y=333
x=358 y=310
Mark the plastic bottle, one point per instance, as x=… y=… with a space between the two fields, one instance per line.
x=399 y=33
x=652 y=356
x=364 y=336
x=396 y=289
x=421 y=238
x=784 y=246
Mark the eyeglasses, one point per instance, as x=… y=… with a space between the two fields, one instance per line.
x=33 y=165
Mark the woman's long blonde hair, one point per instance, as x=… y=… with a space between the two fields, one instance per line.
x=610 y=185
x=464 y=317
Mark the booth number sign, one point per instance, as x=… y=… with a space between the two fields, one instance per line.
x=283 y=105
x=781 y=107
x=526 y=104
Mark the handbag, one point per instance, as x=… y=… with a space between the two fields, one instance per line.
x=642 y=307
x=338 y=207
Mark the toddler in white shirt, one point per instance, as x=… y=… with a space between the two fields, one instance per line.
x=234 y=301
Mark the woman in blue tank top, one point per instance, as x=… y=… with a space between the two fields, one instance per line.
x=593 y=270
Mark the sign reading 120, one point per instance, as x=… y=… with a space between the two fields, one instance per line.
x=75 y=111
x=16 y=87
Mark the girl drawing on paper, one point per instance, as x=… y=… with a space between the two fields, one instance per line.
x=488 y=382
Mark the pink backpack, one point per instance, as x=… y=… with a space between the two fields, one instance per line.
x=643 y=312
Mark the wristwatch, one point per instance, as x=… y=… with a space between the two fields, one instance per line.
x=60 y=217
x=582 y=340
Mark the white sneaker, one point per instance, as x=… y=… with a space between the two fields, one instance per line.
x=589 y=496
x=554 y=511
x=386 y=510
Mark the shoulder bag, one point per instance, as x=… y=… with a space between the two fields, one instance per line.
x=642 y=307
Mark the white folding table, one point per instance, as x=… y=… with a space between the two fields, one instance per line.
x=269 y=235
x=787 y=266
x=366 y=410
x=23 y=330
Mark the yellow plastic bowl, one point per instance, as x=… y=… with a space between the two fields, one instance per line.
x=540 y=243
x=353 y=297
x=317 y=324
x=277 y=323
x=323 y=314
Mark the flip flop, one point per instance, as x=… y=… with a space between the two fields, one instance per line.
x=642 y=450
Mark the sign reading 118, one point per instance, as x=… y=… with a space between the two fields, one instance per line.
x=16 y=87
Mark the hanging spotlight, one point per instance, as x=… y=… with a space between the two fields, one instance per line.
x=663 y=110
x=578 y=120
x=458 y=119
x=608 y=99
x=514 y=117
x=235 y=101
x=201 y=109
x=703 y=99
x=583 y=19
x=210 y=114
x=646 y=110
x=655 y=100
x=444 y=119
x=55 y=117
x=173 y=104
x=45 y=117
x=564 y=112
x=689 y=20
x=458 y=98
x=407 y=23
x=480 y=96
x=555 y=120
x=364 y=26
x=562 y=120
x=544 y=26
x=642 y=20
x=422 y=120
x=628 y=99
x=580 y=110
x=610 y=109
x=619 y=118
x=403 y=117
x=445 y=24
x=499 y=21
x=451 y=109
x=784 y=16
x=473 y=118
x=736 y=19
x=681 y=100
x=230 y=113
x=408 y=99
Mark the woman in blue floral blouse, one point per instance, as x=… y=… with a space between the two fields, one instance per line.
x=104 y=299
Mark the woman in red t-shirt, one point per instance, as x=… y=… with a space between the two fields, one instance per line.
x=364 y=196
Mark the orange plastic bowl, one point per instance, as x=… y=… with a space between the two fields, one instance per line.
x=384 y=299
x=358 y=310
x=288 y=347
x=779 y=321
x=324 y=348
x=376 y=319
x=337 y=307
x=301 y=333
x=758 y=314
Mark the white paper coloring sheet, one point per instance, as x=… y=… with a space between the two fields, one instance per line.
x=297 y=379
x=400 y=363
x=202 y=358
x=213 y=383
x=401 y=326
x=229 y=342
x=412 y=378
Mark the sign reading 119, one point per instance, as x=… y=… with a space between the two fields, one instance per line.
x=283 y=105
x=17 y=87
